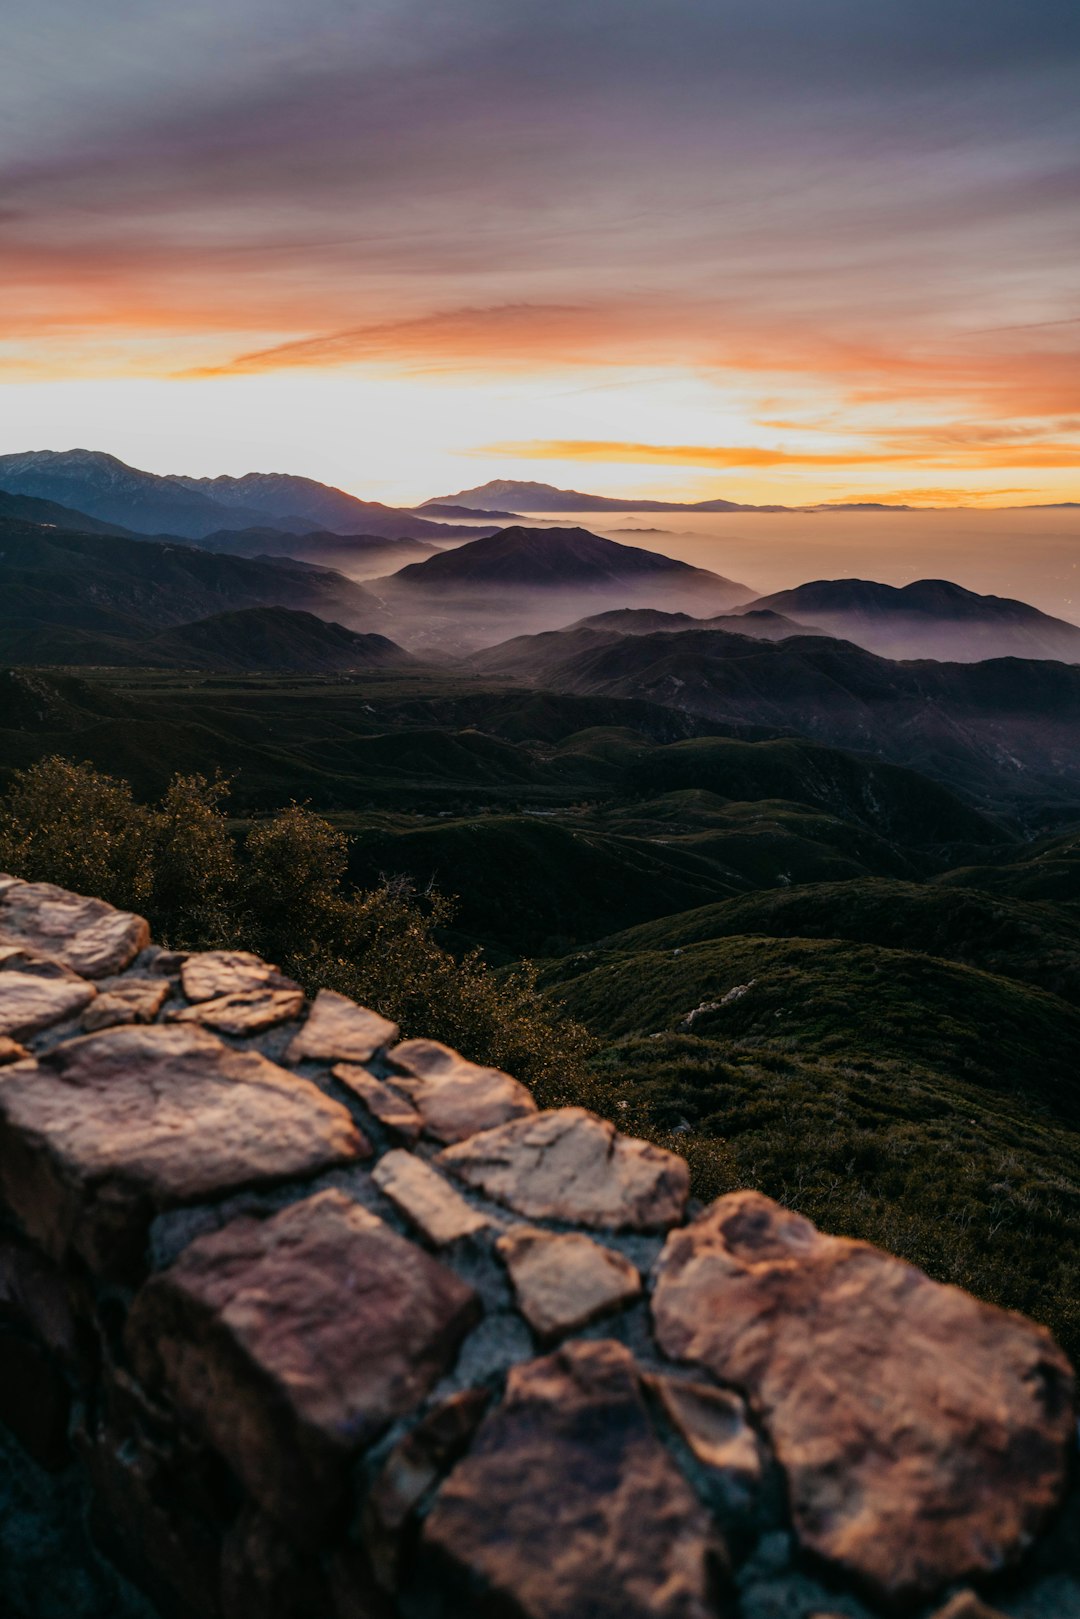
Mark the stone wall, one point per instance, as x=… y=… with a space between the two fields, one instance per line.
x=304 y=1322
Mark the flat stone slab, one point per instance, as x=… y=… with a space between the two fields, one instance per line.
x=108 y=1129
x=924 y=1434
x=136 y=1000
x=571 y=1165
x=212 y=973
x=292 y=1342
x=455 y=1098
x=30 y=1001
x=383 y=1102
x=85 y=934
x=564 y=1281
x=337 y=1030
x=426 y=1198
x=569 y=1505
x=244 y=1011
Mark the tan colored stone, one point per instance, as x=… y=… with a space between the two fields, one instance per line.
x=85 y=934
x=966 y=1605
x=715 y=1425
x=133 y=1000
x=108 y=1129
x=11 y=1051
x=383 y=1102
x=213 y=973
x=337 y=1030
x=292 y=1342
x=455 y=1098
x=924 y=1434
x=425 y=1198
x=568 y=1504
x=411 y=1470
x=248 y=1011
x=29 y=1001
x=564 y=1281
x=571 y=1165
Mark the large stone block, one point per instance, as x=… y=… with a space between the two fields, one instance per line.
x=572 y=1165
x=85 y=934
x=292 y=1342
x=568 y=1504
x=455 y=1098
x=924 y=1435
x=111 y=1128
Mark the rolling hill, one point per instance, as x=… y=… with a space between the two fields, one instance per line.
x=1003 y=731
x=269 y=639
x=932 y=618
x=61 y=591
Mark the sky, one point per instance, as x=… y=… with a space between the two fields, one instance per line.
x=780 y=251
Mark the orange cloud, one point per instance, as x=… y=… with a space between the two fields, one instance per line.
x=732 y=456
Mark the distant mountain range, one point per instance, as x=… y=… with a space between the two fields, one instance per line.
x=108 y=490
x=524 y=495
x=932 y=618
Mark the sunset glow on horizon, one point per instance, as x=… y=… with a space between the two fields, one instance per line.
x=790 y=253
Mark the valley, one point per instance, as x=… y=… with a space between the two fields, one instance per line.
x=813 y=906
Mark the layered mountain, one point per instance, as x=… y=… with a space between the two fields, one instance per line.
x=524 y=579
x=358 y=556
x=932 y=618
x=525 y=495
x=110 y=491
x=60 y=591
x=283 y=498
x=1004 y=730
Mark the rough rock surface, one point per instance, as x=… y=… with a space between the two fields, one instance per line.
x=337 y=1030
x=244 y=1011
x=426 y=1198
x=139 y=1000
x=281 y=1371
x=383 y=1102
x=571 y=1165
x=209 y=974
x=568 y=1504
x=924 y=1435
x=412 y=1468
x=456 y=1099
x=292 y=1342
x=29 y=1001
x=563 y=1281
x=107 y=1129
x=85 y=934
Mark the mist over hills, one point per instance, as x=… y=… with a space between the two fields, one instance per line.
x=526 y=578
x=58 y=587
x=358 y=556
x=932 y=618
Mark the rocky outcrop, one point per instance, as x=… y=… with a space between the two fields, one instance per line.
x=310 y=1323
